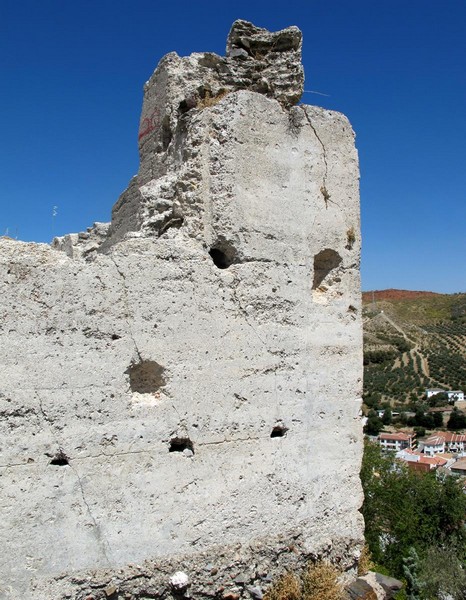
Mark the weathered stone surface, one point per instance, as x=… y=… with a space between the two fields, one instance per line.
x=370 y=587
x=268 y=63
x=389 y=584
x=77 y=245
x=361 y=590
x=181 y=390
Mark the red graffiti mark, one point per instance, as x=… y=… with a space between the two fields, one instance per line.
x=149 y=124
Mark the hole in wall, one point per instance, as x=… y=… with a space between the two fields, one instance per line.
x=146 y=377
x=219 y=258
x=279 y=430
x=181 y=444
x=187 y=104
x=60 y=459
x=324 y=262
x=223 y=254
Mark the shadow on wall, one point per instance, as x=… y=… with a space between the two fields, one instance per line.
x=146 y=377
x=324 y=262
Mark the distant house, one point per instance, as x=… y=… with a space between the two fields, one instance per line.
x=396 y=441
x=455 y=442
x=408 y=455
x=434 y=444
x=381 y=412
x=453 y=395
x=421 y=462
x=434 y=392
x=444 y=441
x=459 y=467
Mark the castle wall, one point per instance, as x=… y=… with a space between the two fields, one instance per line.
x=186 y=396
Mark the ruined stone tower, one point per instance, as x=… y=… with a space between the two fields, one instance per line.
x=179 y=389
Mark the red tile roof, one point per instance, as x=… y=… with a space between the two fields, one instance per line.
x=460 y=464
x=401 y=437
x=449 y=436
x=435 y=440
x=454 y=437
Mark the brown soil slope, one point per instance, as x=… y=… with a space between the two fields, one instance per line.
x=393 y=294
x=413 y=341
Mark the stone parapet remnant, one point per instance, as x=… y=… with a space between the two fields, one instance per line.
x=180 y=389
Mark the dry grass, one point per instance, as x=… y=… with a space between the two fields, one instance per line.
x=365 y=561
x=350 y=237
x=318 y=582
x=325 y=193
x=210 y=100
x=288 y=587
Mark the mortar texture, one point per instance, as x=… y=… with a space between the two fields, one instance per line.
x=180 y=389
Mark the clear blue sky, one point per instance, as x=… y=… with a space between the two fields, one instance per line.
x=71 y=89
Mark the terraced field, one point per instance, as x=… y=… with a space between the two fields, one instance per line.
x=412 y=341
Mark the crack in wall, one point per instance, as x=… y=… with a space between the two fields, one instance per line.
x=236 y=281
x=44 y=414
x=100 y=538
x=78 y=458
x=126 y=453
x=259 y=260
x=126 y=304
x=13 y=465
x=323 y=188
x=246 y=439
x=103 y=543
x=60 y=388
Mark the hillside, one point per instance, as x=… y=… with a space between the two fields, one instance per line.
x=412 y=341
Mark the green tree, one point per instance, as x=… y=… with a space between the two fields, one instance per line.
x=457 y=420
x=374 y=424
x=372 y=399
x=410 y=571
x=406 y=509
x=440 y=399
x=427 y=421
x=438 y=419
x=441 y=574
x=403 y=418
x=420 y=431
x=387 y=416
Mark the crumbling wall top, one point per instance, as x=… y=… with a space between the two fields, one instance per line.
x=270 y=60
